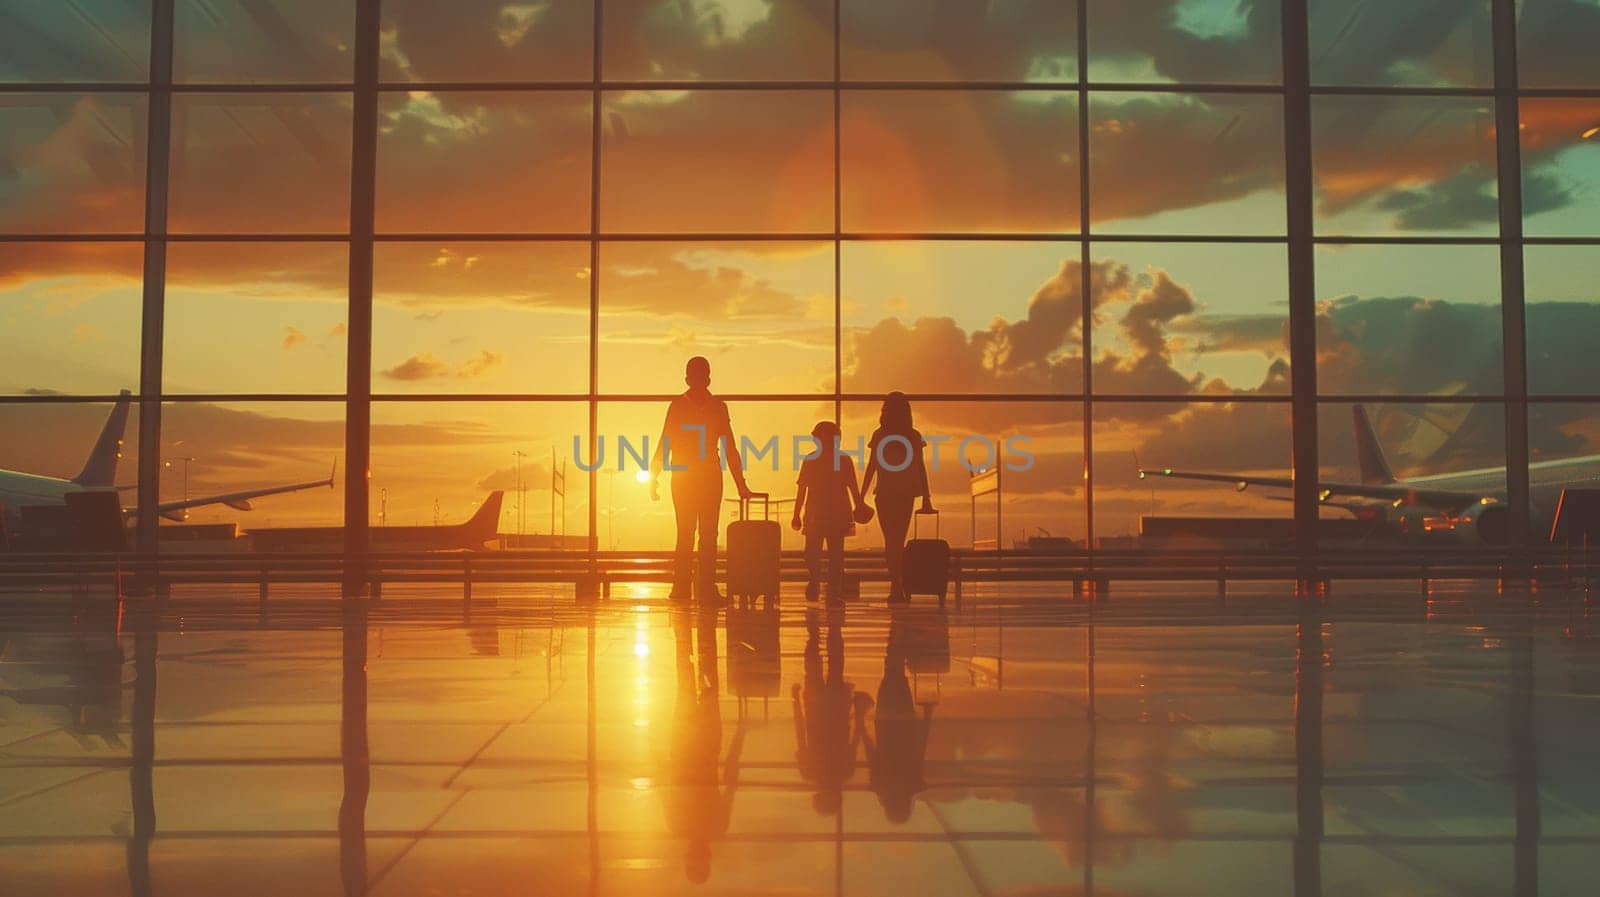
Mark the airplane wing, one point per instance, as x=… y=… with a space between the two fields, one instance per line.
x=1442 y=499
x=239 y=501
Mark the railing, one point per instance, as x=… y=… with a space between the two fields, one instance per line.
x=592 y=574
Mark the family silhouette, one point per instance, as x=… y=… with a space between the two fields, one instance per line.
x=697 y=435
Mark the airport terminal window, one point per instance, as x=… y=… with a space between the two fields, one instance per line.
x=780 y=40
x=449 y=40
x=98 y=41
x=1250 y=439
x=263 y=41
x=927 y=40
x=256 y=318
x=484 y=162
x=1561 y=167
x=762 y=311
x=1185 y=42
x=69 y=317
x=1404 y=164
x=1179 y=318
x=719 y=161
x=1401 y=44
x=983 y=316
x=1181 y=163
x=488 y=317
x=941 y=255
x=260 y=163
x=966 y=161
x=74 y=163
x=1408 y=319
x=1563 y=314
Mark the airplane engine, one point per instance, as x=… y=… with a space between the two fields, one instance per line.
x=1484 y=524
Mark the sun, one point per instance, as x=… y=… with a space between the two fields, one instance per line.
x=642 y=476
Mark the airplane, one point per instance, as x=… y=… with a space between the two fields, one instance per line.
x=99 y=473
x=482 y=527
x=1468 y=505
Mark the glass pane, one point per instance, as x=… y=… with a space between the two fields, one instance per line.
x=233 y=41
x=480 y=318
x=630 y=520
x=1160 y=511
x=698 y=161
x=928 y=40
x=484 y=162
x=61 y=446
x=1410 y=43
x=1404 y=165
x=255 y=318
x=260 y=163
x=1460 y=450
x=1174 y=318
x=1408 y=319
x=1556 y=41
x=718 y=40
x=1195 y=41
x=72 y=163
x=922 y=161
x=447 y=40
x=1186 y=163
x=1038 y=445
x=70 y=317
x=1563 y=452
x=761 y=312
x=1563 y=316
x=1561 y=167
x=438 y=462
x=89 y=40
x=219 y=449
x=955 y=317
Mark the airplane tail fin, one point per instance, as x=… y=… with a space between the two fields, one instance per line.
x=100 y=470
x=486 y=521
x=1375 y=469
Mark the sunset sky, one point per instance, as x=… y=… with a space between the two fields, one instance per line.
x=924 y=316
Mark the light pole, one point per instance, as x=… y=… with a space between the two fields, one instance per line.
x=187 y=460
x=522 y=496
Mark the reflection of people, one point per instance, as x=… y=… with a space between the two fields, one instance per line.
x=824 y=502
x=895 y=758
x=692 y=436
x=897 y=464
x=697 y=808
x=826 y=741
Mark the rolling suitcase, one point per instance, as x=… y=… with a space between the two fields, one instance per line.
x=753 y=547
x=927 y=563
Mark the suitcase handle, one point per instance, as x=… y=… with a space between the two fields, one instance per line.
x=766 y=504
x=915 y=517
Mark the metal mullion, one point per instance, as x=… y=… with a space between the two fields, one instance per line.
x=1302 y=283
x=358 y=353
x=1085 y=282
x=838 y=219
x=158 y=144
x=596 y=97
x=1513 y=332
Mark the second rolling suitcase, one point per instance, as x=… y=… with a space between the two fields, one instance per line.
x=927 y=563
x=753 y=551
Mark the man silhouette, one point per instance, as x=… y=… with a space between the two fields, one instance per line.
x=691 y=445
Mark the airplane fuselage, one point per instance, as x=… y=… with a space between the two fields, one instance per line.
x=19 y=490
x=1546 y=479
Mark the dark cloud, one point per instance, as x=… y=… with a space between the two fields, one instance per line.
x=1557 y=39
x=1459 y=201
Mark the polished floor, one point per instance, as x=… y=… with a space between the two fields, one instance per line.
x=1387 y=742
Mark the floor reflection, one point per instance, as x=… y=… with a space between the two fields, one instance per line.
x=1158 y=745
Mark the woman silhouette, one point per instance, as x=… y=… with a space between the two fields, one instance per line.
x=896 y=463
